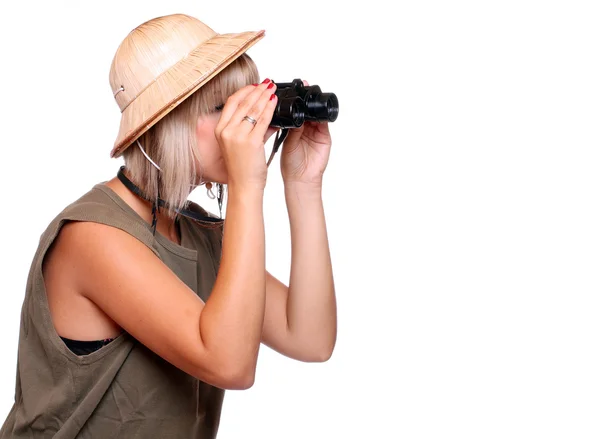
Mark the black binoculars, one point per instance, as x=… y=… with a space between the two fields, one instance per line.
x=297 y=103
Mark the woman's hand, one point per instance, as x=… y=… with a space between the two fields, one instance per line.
x=241 y=141
x=305 y=153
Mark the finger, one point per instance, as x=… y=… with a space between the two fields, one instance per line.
x=240 y=98
x=305 y=82
x=257 y=109
x=253 y=106
x=264 y=120
x=293 y=136
x=231 y=106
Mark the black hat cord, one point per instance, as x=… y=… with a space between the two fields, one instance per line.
x=279 y=138
x=158 y=202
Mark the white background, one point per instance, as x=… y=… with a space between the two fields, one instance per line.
x=461 y=198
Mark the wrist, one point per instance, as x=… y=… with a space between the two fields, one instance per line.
x=303 y=191
x=303 y=187
x=250 y=185
x=245 y=193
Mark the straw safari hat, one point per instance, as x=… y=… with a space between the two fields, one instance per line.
x=162 y=62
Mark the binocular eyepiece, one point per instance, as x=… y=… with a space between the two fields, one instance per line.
x=297 y=103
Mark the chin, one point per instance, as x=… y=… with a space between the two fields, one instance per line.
x=216 y=173
x=220 y=178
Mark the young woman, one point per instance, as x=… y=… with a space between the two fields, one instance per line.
x=141 y=307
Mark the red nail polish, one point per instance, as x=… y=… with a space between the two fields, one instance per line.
x=266 y=80
x=255 y=85
x=272 y=97
x=270 y=85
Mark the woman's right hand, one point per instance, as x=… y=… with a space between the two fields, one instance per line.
x=242 y=142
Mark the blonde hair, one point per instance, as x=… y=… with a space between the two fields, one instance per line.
x=172 y=142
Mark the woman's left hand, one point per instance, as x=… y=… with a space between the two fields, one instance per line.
x=305 y=153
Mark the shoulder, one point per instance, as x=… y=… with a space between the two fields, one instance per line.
x=90 y=240
x=91 y=249
x=95 y=214
x=74 y=210
x=95 y=204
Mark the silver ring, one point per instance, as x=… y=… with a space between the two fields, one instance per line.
x=250 y=119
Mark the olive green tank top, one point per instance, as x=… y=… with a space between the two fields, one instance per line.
x=122 y=390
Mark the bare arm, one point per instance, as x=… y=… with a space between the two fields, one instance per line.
x=232 y=319
x=216 y=342
x=300 y=321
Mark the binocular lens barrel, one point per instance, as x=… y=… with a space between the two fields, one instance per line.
x=289 y=113
x=298 y=103
x=323 y=107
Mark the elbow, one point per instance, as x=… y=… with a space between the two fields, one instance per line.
x=317 y=354
x=323 y=353
x=321 y=356
x=325 y=356
x=240 y=381
x=227 y=369
x=236 y=378
x=312 y=350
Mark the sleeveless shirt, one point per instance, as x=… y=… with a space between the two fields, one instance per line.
x=122 y=390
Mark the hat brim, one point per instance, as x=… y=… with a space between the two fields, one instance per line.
x=180 y=81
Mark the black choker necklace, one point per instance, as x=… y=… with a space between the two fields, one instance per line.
x=159 y=202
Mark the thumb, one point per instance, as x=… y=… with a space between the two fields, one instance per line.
x=293 y=137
